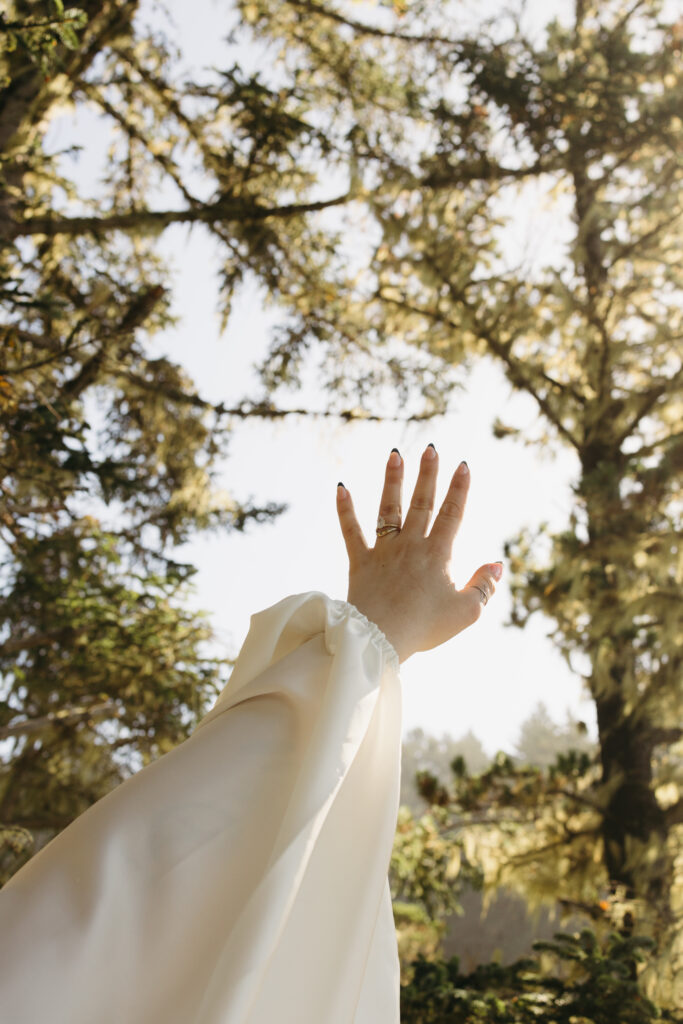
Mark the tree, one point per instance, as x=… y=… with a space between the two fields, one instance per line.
x=581 y=979
x=421 y=751
x=541 y=739
x=441 y=131
x=530 y=814
x=514 y=906
x=108 y=451
x=107 y=456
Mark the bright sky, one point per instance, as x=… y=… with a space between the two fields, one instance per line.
x=489 y=678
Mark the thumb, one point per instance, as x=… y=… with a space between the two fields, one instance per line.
x=482 y=585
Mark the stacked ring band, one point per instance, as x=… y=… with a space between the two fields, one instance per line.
x=383 y=527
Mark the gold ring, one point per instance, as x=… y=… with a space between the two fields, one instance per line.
x=383 y=527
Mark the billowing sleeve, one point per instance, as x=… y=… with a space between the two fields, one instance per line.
x=242 y=877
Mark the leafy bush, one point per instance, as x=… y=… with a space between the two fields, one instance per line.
x=576 y=980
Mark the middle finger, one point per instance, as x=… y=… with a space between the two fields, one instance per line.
x=422 y=502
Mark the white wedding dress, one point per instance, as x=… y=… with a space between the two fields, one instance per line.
x=242 y=877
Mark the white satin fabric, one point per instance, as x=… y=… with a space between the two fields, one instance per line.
x=242 y=877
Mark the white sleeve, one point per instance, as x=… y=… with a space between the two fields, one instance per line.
x=242 y=877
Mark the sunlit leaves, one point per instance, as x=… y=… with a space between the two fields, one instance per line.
x=37 y=36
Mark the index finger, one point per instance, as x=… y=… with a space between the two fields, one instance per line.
x=451 y=512
x=356 y=545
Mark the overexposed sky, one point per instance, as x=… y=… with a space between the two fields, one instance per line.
x=489 y=678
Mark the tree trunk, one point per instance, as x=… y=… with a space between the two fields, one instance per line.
x=642 y=849
x=632 y=811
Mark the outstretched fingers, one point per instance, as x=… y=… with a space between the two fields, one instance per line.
x=356 y=545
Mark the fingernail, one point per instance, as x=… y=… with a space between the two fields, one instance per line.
x=497 y=570
x=463 y=468
x=395 y=457
x=343 y=489
x=430 y=451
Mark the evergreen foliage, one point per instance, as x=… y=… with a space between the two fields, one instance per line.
x=37 y=35
x=582 y=981
x=541 y=740
x=108 y=457
x=422 y=752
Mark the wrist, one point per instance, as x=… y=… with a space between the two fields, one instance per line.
x=387 y=622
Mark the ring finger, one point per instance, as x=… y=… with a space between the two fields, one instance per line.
x=390 y=502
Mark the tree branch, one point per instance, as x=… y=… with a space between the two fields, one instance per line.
x=370 y=30
x=579 y=799
x=27 y=98
x=569 y=835
x=485 y=170
x=18 y=26
x=648 y=399
x=133 y=132
x=656 y=446
x=235 y=210
x=674 y=815
x=265 y=409
x=516 y=371
x=65 y=716
x=16 y=644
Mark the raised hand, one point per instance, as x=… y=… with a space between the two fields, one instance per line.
x=403 y=583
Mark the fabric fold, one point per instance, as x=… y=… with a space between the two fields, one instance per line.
x=242 y=877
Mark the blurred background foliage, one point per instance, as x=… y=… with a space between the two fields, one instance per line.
x=387 y=112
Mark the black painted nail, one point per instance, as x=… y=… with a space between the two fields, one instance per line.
x=430 y=445
x=395 y=450
x=340 y=484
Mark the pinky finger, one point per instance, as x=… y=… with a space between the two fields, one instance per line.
x=356 y=545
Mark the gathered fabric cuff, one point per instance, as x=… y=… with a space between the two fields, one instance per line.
x=279 y=630
x=375 y=632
